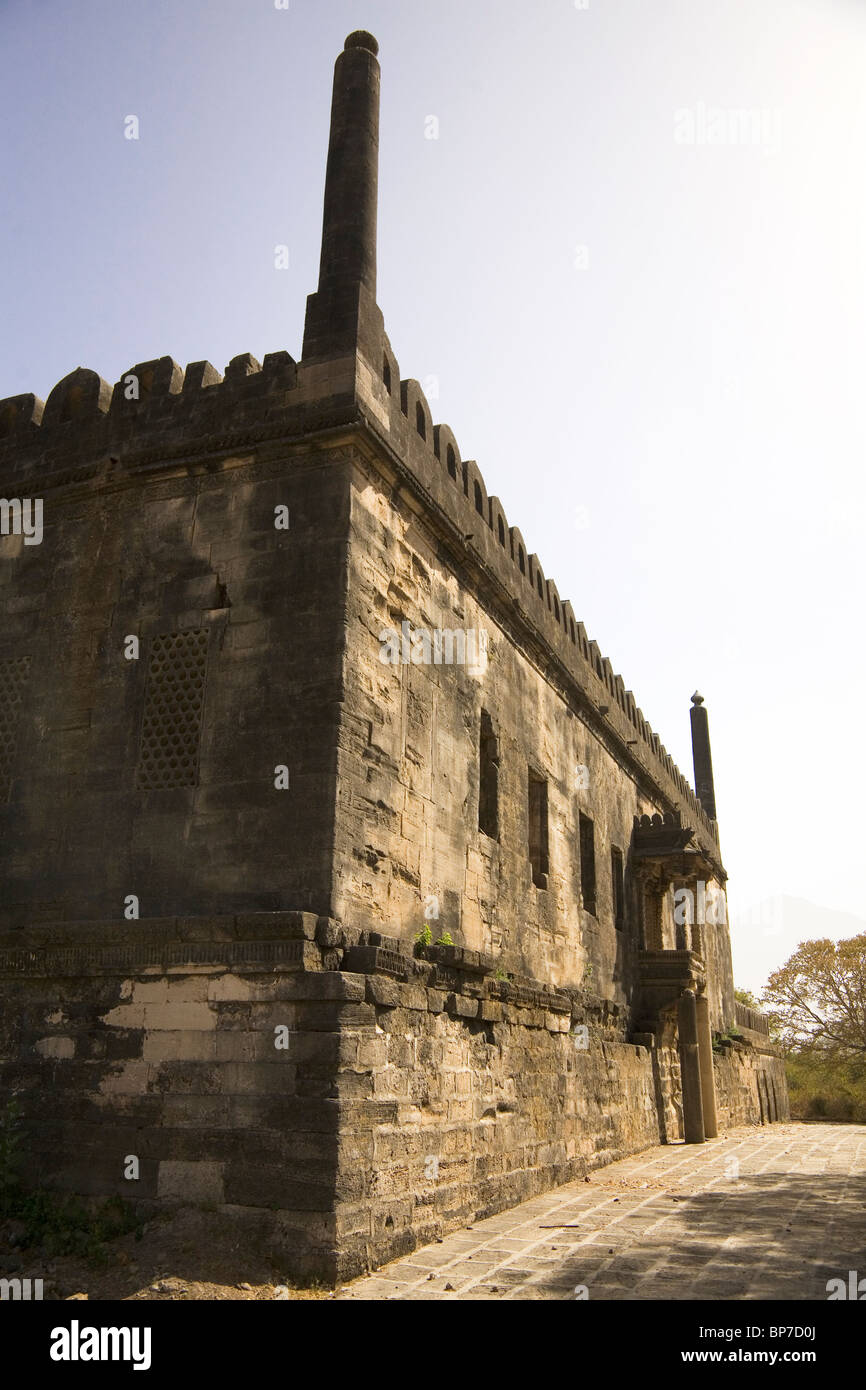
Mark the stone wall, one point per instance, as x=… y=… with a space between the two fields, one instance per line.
x=159 y=519
x=464 y=1094
x=341 y=1099
x=89 y=437
x=407 y=834
x=164 y=1047
x=751 y=1085
x=195 y=558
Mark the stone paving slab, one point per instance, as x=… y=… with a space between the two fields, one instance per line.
x=759 y=1213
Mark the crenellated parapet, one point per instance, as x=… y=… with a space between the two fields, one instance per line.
x=157 y=413
x=457 y=485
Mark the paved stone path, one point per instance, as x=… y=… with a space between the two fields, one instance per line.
x=759 y=1213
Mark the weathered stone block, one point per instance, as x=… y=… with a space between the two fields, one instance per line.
x=185 y=1045
x=266 y=926
x=462 y=1006
x=185 y=1181
x=383 y=993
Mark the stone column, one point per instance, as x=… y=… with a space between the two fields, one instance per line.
x=690 y=1067
x=702 y=756
x=342 y=316
x=705 y=1053
x=351 y=180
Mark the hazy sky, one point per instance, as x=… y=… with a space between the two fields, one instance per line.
x=643 y=312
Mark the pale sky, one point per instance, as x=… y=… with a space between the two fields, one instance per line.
x=655 y=350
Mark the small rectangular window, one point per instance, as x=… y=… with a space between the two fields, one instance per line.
x=488 y=781
x=618 y=888
x=587 y=862
x=538 y=857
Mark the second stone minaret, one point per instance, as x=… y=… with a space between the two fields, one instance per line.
x=702 y=757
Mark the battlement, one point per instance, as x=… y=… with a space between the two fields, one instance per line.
x=458 y=487
x=158 y=415
x=155 y=406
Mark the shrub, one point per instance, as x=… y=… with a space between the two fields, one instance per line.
x=821 y=1088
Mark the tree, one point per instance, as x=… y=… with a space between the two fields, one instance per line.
x=817 y=1000
x=745 y=996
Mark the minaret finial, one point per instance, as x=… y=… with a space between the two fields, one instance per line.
x=360 y=38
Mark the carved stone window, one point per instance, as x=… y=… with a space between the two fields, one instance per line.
x=14 y=674
x=171 y=726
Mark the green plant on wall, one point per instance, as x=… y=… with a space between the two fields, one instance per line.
x=424 y=938
x=730 y=1034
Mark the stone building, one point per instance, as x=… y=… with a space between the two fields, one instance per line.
x=283 y=692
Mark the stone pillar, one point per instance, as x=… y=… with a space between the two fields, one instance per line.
x=702 y=757
x=690 y=1068
x=342 y=316
x=705 y=1053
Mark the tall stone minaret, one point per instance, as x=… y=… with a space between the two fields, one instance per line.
x=702 y=757
x=342 y=316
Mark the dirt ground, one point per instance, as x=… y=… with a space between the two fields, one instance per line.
x=187 y=1256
